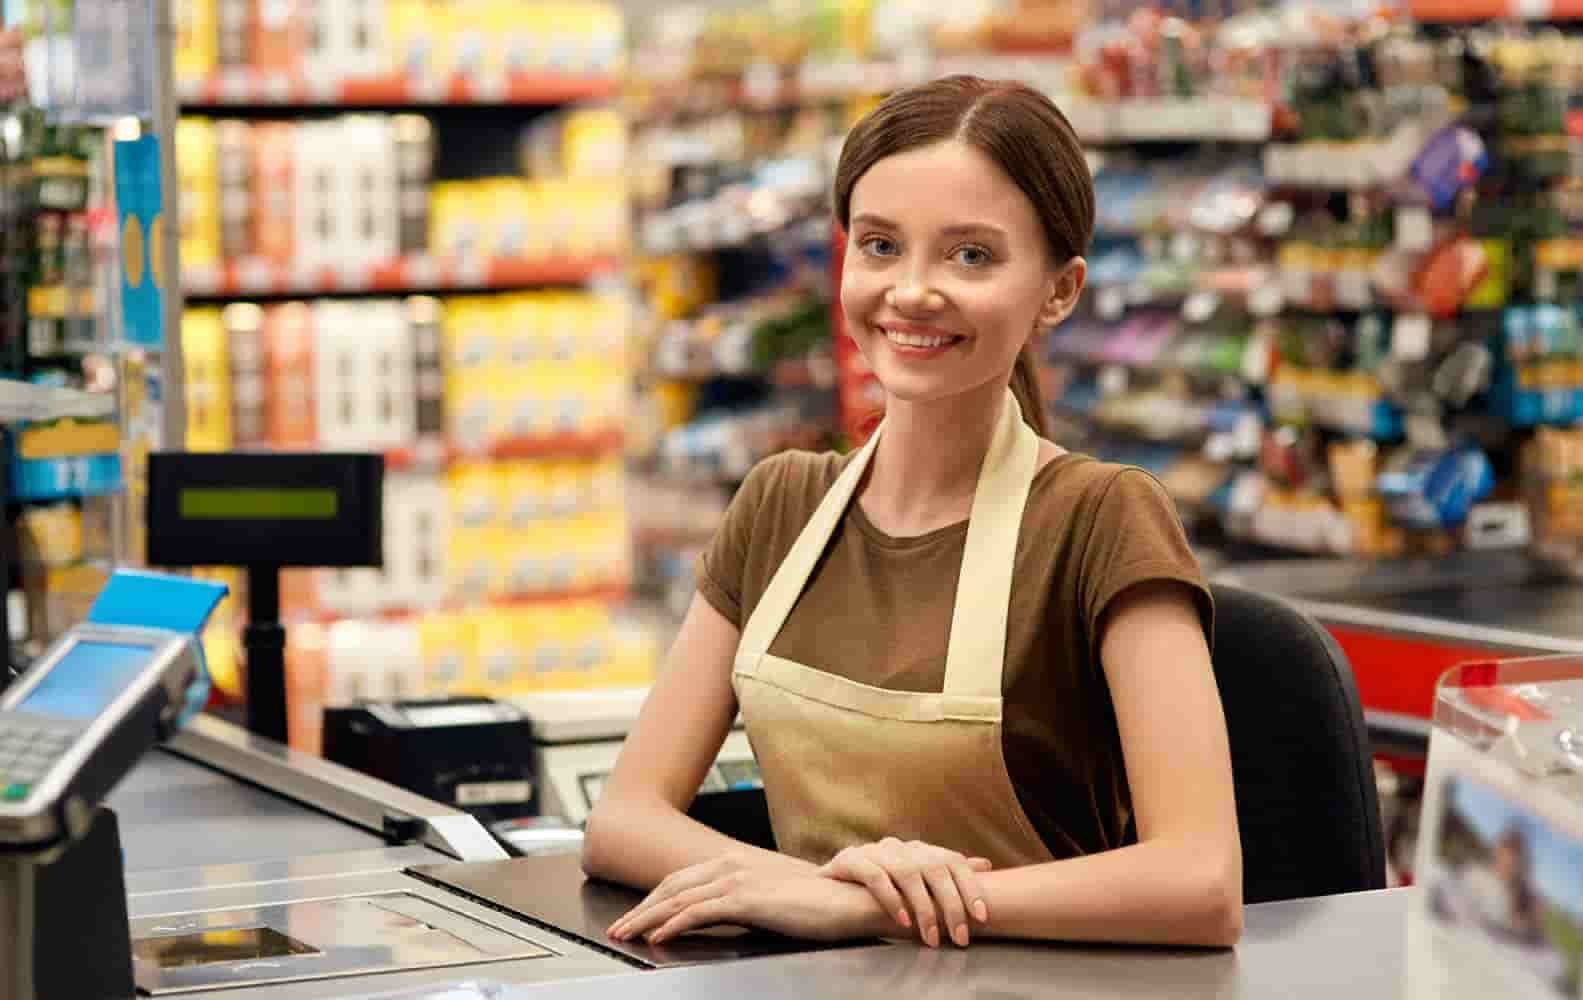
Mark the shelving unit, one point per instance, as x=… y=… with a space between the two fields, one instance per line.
x=406 y=233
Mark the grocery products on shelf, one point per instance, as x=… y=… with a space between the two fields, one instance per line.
x=396 y=51
x=350 y=204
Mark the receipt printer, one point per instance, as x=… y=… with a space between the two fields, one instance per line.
x=472 y=753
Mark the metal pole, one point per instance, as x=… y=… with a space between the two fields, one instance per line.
x=167 y=111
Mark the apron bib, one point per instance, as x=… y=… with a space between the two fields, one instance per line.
x=845 y=763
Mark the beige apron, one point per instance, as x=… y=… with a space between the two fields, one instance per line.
x=845 y=763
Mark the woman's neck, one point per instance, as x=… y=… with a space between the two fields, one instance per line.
x=926 y=467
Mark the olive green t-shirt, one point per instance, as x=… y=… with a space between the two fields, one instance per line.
x=878 y=611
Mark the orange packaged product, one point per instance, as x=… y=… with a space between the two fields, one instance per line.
x=275 y=34
x=273 y=144
x=288 y=376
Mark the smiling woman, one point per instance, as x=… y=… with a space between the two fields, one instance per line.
x=973 y=666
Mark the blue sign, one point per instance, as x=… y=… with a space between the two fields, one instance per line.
x=137 y=198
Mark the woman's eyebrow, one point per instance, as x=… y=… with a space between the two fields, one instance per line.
x=956 y=229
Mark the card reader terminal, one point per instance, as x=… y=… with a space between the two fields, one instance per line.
x=79 y=719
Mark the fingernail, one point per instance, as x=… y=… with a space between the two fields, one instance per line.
x=903 y=918
x=960 y=935
x=932 y=935
x=981 y=911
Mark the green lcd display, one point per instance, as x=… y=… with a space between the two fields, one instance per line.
x=231 y=503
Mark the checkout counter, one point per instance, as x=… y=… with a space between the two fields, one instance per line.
x=253 y=871
x=224 y=830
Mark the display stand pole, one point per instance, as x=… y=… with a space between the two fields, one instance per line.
x=264 y=641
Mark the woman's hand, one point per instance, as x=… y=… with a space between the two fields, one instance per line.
x=918 y=884
x=789 y=899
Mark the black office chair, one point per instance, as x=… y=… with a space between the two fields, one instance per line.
x=1306 y=802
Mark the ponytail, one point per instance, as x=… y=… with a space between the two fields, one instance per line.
x=1025 y=386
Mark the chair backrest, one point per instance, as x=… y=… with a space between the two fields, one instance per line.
x=1306 y=800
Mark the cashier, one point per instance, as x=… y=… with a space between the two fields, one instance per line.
x=973 y=666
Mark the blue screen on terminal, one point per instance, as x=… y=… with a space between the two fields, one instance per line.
x=86 y=680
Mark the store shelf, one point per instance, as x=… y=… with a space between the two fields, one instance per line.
x=253 y=88
x=413 y=273
x=438 y=454
x=608 y=594
x=21 y=401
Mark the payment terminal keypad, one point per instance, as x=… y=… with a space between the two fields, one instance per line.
x=28 y=749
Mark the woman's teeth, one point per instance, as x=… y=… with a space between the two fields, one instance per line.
x=916 y=340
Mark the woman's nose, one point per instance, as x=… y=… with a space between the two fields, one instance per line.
x=915 y=295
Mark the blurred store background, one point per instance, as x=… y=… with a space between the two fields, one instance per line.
x=569 y=267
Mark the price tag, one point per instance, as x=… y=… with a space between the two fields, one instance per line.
x=276 y=88
x=353 y=275
x=470 y=270
x=1410 y=337
x=421 y=271
x=1414 y=228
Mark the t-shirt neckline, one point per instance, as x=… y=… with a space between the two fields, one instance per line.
x=859 y=519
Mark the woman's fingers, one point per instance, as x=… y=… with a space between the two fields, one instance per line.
x=657 y=915
x=719 y=910
x=948 y=902
x=674 y=884
x=852 y=866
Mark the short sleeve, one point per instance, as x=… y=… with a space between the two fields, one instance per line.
x=1137 y=538
x=720 y=568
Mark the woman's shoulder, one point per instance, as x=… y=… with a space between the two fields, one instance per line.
x=792 y=480
x=1075 y=481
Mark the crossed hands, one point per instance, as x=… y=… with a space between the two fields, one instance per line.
x=863 y=891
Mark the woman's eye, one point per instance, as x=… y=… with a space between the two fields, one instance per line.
x=972 y=256
x=877 y=246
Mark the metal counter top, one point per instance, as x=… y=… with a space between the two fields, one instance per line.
x=179 y=814
x=1351 y=946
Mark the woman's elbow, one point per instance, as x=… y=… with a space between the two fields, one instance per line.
x=1218 y=922
x=597 y=847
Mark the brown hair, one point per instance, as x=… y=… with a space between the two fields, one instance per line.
x=1018 y=128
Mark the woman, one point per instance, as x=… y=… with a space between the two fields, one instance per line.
x=969 y=662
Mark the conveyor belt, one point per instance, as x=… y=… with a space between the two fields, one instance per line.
x=178 y=814
x=1546 y=608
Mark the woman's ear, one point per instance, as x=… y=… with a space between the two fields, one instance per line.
x=1063 y=291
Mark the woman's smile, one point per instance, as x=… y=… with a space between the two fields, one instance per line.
x=915 y=340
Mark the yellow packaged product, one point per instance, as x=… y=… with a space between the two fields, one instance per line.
x=502 y=650
x=197 y=40
x=528 y=493
x=526 y=40
x=50 y=536
x=514 y=328
x=198 y=166
x=446 y=648
x=206 y=367
x=594 y=143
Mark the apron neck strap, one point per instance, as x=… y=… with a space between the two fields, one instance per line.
x=786 y=585
x=976 y=653
x=977 y=644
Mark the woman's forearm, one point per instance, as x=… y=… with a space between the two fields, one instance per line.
x=638 y=843
x=1156 y=892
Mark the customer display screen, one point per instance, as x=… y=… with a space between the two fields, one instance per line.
x=238 y=503
x=84 y=681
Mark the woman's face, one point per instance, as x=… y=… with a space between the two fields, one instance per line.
x=947 y=272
